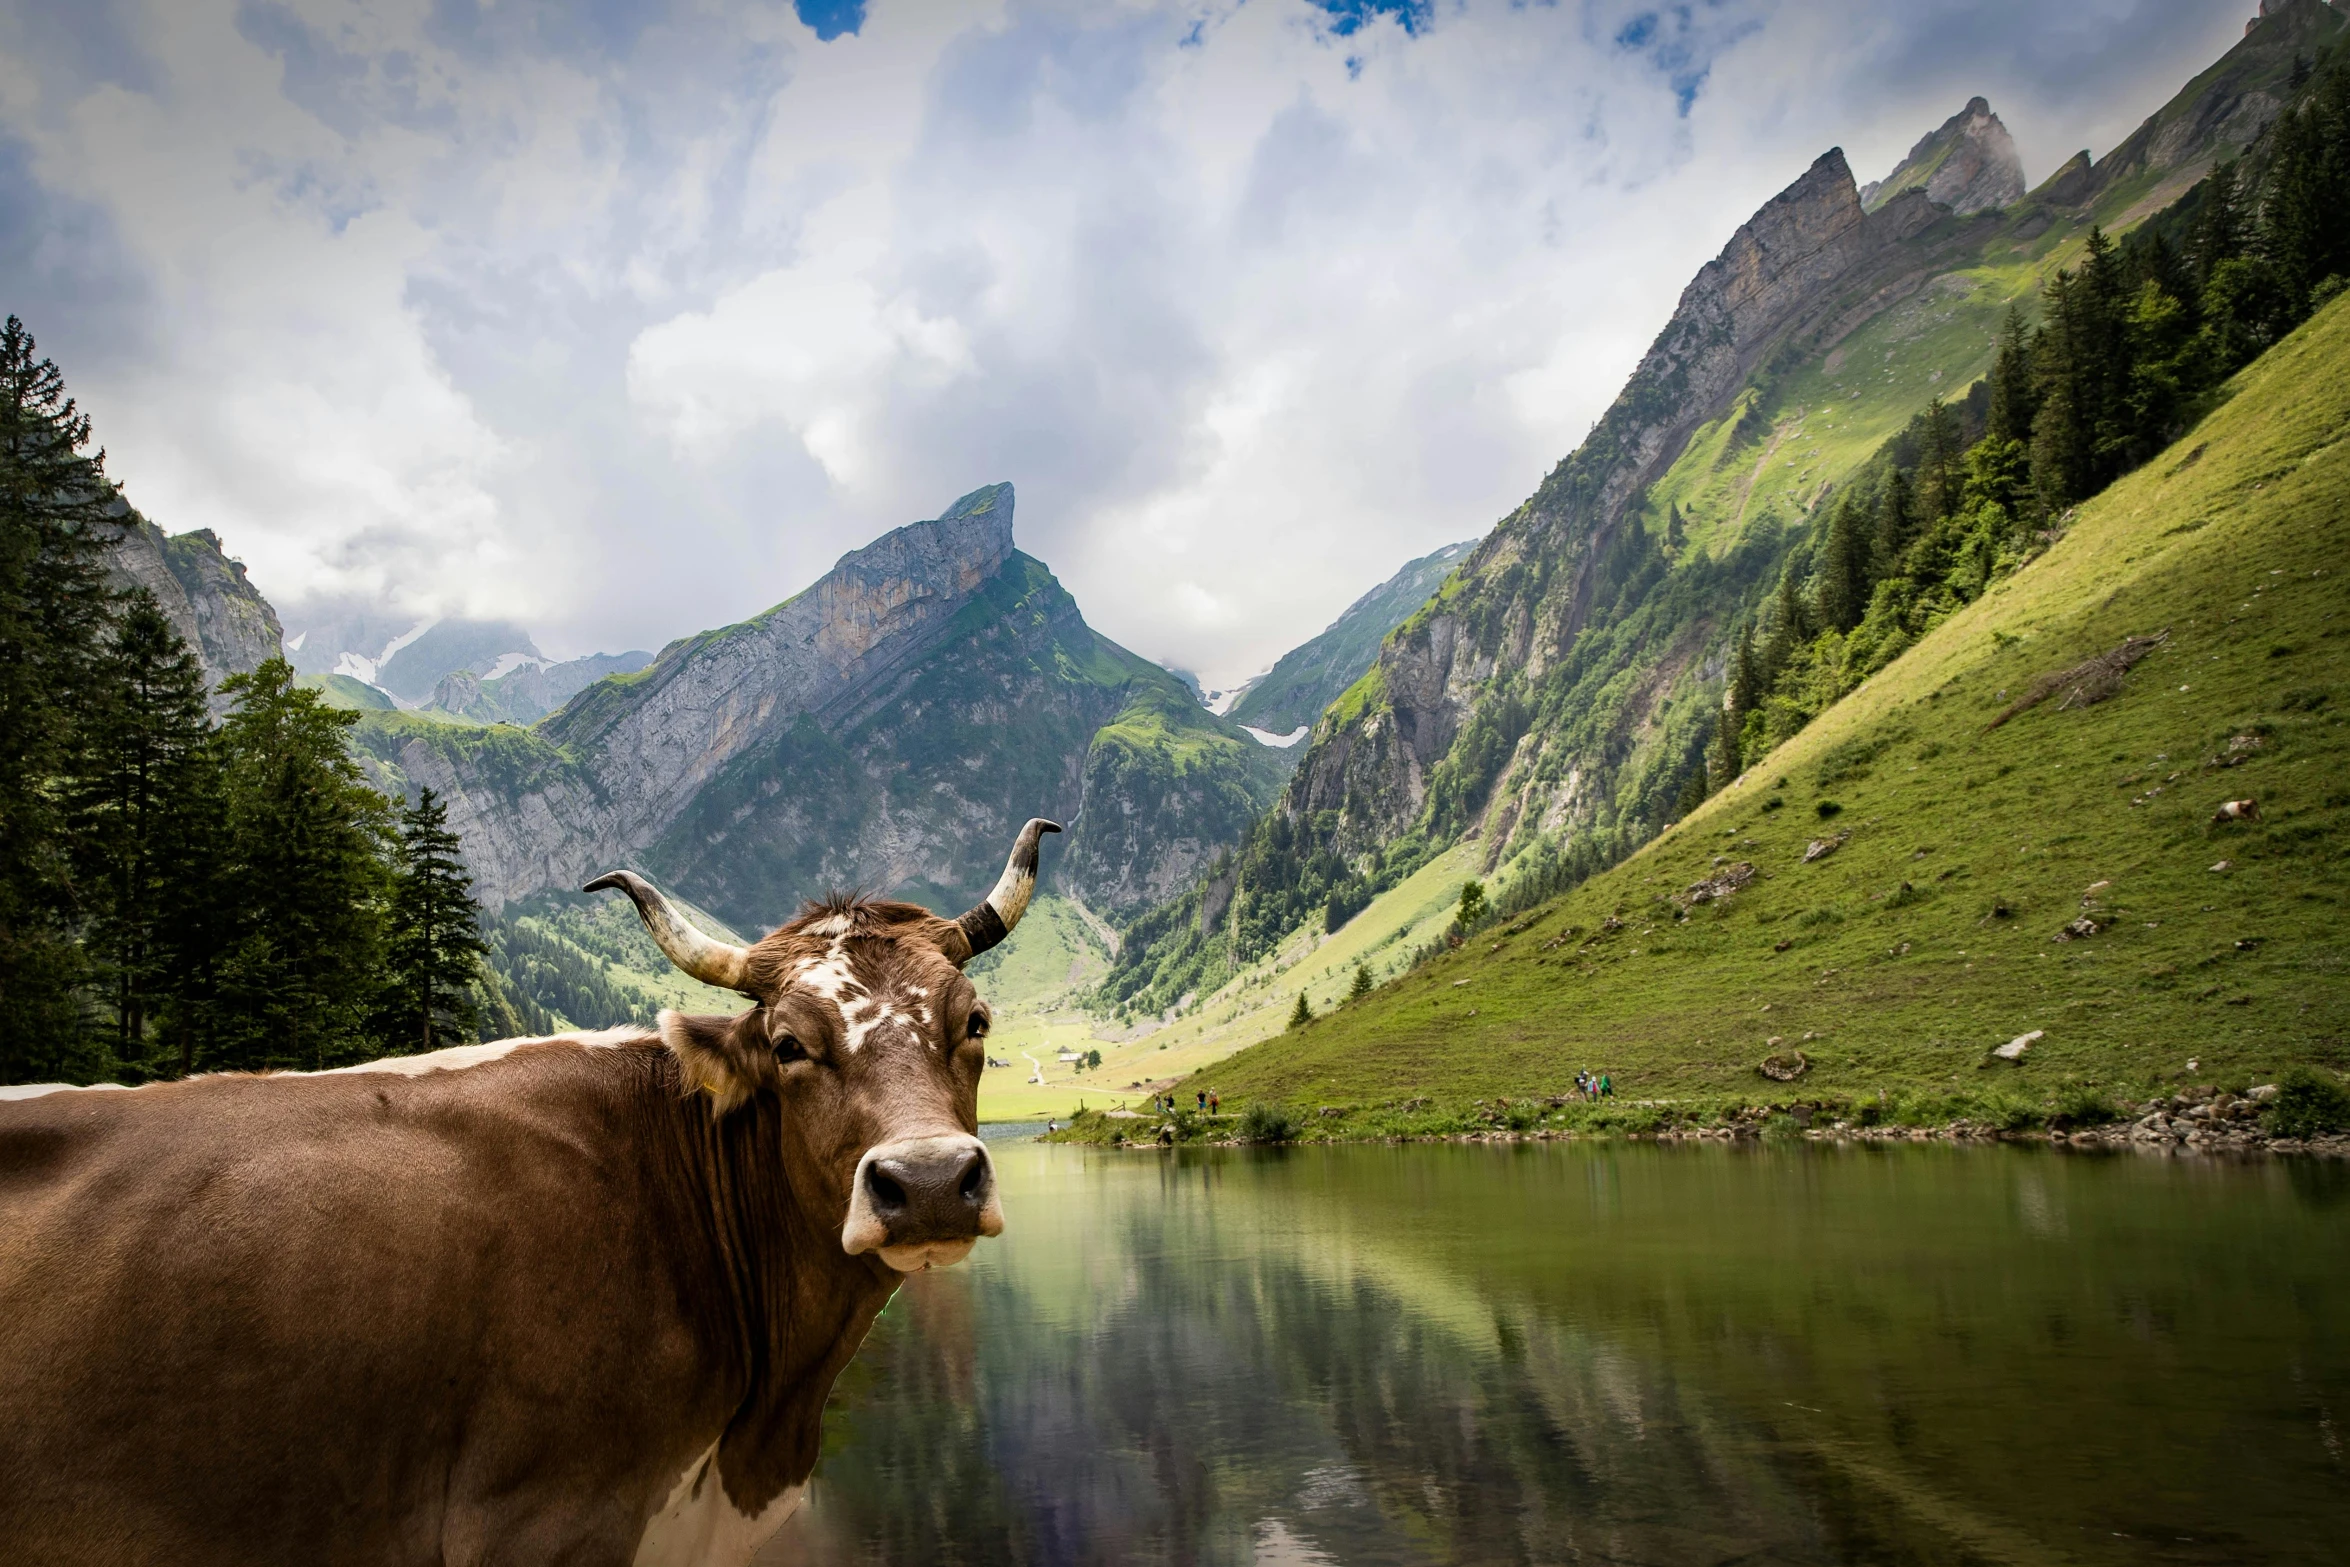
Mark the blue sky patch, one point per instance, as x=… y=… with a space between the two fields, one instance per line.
x=1348 y=15
x=831 y=18
x=1679 y=42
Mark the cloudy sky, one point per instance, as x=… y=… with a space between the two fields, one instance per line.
x=622 y=318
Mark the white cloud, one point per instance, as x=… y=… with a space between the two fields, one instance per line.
x=536 y=310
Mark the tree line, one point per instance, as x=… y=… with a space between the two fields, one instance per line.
x=2132 y=347
x=179 y=894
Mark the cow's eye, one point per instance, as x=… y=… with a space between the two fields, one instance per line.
x=977 y=1027
x=788 y=1049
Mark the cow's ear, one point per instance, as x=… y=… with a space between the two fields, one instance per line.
x=719 y=1056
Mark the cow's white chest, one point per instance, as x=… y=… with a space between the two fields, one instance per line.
x=699 y=1527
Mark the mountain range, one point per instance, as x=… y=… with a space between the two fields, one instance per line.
x=887 y=728
x=1549 y=701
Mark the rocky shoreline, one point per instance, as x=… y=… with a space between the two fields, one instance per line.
x=2200 y=1121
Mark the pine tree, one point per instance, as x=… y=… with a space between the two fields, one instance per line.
x=1726 y=762
x=1301 y=1014
x=56 y=522
x=1937 y=471
x=1897 y=519
x=2220 y=231
x=1790 y=627
x=1844 y=567
x=1693 y=790
x=146 y=820
x=1746 y=675
x=435 y=946
x=1362 y=983
x=1676 y=536
x=2063 y=435
x=2012 y=399
x=305 y=881
x=2305 y=210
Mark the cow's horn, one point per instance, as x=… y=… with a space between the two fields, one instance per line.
x=991 y=920
x=711 y=962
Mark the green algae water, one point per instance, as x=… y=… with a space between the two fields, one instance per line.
x=1611 y=1353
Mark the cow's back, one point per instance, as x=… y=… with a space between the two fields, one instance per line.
x=334 y=1317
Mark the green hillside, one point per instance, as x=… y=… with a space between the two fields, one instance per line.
x=342 y=691
x=1310 y=676
x=1561 y=696
x=2058 y=873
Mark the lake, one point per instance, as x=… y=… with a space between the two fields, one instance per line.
x=1611 y=1353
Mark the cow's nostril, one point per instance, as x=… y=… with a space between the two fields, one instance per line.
x=974 y=1179
x=886 y=1192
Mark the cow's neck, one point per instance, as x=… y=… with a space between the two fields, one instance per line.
x=788 y=1308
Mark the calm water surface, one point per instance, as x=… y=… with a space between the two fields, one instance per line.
x=1611 y=1354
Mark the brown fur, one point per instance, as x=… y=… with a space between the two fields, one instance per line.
x=474 y=1316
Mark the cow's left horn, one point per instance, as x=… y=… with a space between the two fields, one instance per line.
x=992 y=919
x=711 y=962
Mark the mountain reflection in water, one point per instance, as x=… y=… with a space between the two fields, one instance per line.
x=1613 y=1353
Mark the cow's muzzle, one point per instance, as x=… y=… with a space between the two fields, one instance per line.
x=923 y=1202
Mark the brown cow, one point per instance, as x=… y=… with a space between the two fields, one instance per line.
x=571 y=1300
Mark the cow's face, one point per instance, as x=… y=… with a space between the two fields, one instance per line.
x=872 y=1041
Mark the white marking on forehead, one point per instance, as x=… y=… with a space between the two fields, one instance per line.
x=699 y=1525
x=828 y=976
x=861 y=1010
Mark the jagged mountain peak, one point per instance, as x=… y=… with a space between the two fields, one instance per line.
x=1968 y=164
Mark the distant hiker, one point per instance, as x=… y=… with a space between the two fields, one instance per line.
x=1607 y=1086
x=1203 y=1101
x=1215 y=1103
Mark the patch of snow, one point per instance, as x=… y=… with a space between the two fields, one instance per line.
x=1279 y=742
x=509 y=662
x=406 y=637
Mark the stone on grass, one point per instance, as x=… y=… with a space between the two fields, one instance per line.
x=2014 y=1049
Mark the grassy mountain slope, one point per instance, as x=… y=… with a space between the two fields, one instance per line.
x=347 y=693
x=1309 y=676
x=1549 y=702
x=1929 y=934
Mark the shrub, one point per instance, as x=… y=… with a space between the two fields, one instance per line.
x=2307 y=1104
x=1781 y=1128
x=1828 y=808
x=1264 y=1123
x=2077 y=1104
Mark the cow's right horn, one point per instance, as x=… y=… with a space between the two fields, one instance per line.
x=992 y=919
x=711 y=962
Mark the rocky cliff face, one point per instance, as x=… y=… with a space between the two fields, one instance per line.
x=888 y=729
x=205 y=595
x=1969 y=165
x=1790 y=274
